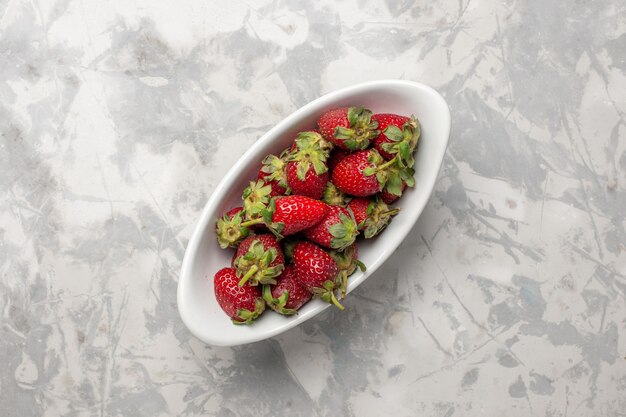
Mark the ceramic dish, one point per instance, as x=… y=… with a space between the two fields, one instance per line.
x=196 y=301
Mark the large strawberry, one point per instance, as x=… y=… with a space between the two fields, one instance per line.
x=347 y=261
x=372 y=215
x=229 y=229
x=362 y=173
x=288 y=295
x=297 y=213
x=337 y=230
x=398 y=137
x=242 y=304
x=292 y=214
x=349 y=128
x=272 y=172
x=259 y=260
x=307 y=173
x=317 y=271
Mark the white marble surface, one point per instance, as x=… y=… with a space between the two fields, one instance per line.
x=119 y=118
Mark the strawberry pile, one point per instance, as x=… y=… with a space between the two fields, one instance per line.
x=295 y=233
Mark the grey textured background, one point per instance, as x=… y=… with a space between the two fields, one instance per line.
x=119 y=118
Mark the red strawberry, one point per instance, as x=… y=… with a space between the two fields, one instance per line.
x=256 y=198
x=272 y=172
x=296 y=213
x=349 y=128
x=347 y=262
x=316 y=270
x=334 y=196
x=372 y=215
x=398 y=178
x=288 y=295
x=229 y=229
x=362 y=173
x=311 y=184
x=242 y=304
x=307 y=173
x=389 y=198
x=337 y=230
x=335 y=157
x=259 y=260
x=398 y=137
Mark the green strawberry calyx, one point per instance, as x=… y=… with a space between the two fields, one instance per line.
x=327 y=293
x=246 y=316
x=343 y=232
x=311 y=150
x=256 y=198
x=346 y=263
x=334 y=196
x=254 y=266
x=378 y=217
x=277 y=304
x=275 y=167
x=362 y=129
x=403 y=142
x=230 y=231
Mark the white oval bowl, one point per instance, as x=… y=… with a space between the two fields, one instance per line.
x=196 y=301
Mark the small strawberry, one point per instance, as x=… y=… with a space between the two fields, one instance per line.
x=372 y=215
x=389 y=198
x=347 y=262
x=316 y=270
x=256 y=198
x=259 y=260
x=272 y=172
x=288 y=295
x=398 y=137
x=242 y=304
x=337 y=230
x=335 y=157
x=349 y=128
x=307 y=173
x=362 y=173
x=229 y=229
x=334 y=196
x=398 y=178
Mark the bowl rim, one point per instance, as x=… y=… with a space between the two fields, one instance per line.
x=244 y=160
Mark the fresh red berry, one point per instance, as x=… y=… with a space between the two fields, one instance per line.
x=398 y=137
x=288 y=295
x=372 y=215
x=360 y=174
x=337 y=230
x=241 y=304
x=388 y=197
x=349 y=128
x=295 y=213
x=259 y=260
x=317 y=271
x=311 y=185
x=229 y=229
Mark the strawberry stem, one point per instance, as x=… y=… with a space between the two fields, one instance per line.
x=253 y=269
x=335 y=302
x=252 y=222
x=386 y=164
x=390 y=212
